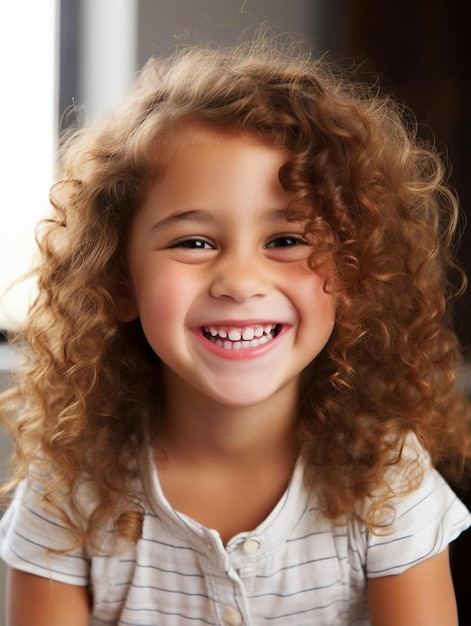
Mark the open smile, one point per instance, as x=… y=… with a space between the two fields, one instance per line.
x=241 y=338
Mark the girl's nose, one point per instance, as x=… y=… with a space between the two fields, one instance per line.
x=239 y=278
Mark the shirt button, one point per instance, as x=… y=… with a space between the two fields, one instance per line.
x=251 y=546
x=232 y=617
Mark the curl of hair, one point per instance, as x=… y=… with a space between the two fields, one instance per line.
x=378 y=211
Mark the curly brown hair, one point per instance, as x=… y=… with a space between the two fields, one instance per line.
x=377 y=205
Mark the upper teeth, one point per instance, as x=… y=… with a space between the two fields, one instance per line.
x=237 y=334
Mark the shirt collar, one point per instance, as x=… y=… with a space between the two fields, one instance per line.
x=245 y=546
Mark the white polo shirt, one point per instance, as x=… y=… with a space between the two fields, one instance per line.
x=296 y=569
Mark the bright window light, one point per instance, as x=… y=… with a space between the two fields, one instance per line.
x=28 y=66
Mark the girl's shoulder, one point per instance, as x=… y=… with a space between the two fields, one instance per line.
x=421 y=515
x=34 y=536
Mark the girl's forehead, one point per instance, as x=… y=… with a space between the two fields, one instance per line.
x=189 y=135
x=205 y=163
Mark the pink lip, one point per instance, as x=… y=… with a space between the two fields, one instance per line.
x=242 y=354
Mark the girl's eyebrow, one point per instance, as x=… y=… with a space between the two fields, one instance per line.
x=198 y=215
x=206 y=216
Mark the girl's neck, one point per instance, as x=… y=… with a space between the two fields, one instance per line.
x=201 y=430
x=226 y=467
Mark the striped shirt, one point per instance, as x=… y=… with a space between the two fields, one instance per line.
x=296 y=568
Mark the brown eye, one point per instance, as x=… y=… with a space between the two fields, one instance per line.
x=192 y=244
x=286 y=241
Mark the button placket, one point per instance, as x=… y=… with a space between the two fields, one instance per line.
x=226 y=586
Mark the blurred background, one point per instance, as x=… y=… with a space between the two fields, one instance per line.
x=62 y=61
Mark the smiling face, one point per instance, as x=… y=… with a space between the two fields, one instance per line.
x=219 y=273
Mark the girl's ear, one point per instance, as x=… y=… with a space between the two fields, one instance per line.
x=126 y=304
x=127 y=309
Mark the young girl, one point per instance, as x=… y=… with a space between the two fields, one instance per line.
x=239 y=372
